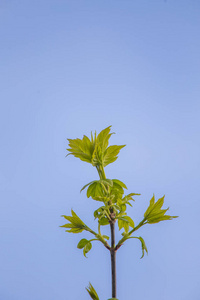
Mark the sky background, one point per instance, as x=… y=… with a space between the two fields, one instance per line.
x=69 y=67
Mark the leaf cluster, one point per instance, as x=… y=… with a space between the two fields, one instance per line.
x=76 y=225
x=111 y=193
x=155 y=213
x=85 y=245
x=95 y=150
x=92 y=292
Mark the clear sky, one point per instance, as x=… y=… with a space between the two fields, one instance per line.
x=69 y=67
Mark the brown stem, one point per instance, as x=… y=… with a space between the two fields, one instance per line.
x=102 y=175
x=113 y=259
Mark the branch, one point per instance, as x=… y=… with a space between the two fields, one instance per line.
x=120 y=243
x=76 y=225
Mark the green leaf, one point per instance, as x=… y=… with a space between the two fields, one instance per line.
x=162 y=218
x=117 y=189
x=87 y=248
x=103 y=138
x=123 y=207
x=123 y=219
x=82 y=243
x=126 y=227
x=144 y=247
x=81 y=149
x=76 y=219
x=155 y=214
x=151 y=205
x=94 y=190
x=74 y=230
x=110 y=154
x=76 y=225
x=120 y=183
x=92 y=292
x=120 y=224
x=158 y=205
x=98 y=189
x=97 y=156
x=130 y=221
x=123 y=223
x=133 y=194
x=129 y=196
x=103 y=221
x=87 y=185
x=107 y=182
x=101 y=212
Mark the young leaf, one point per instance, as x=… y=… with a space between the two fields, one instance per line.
x=103 y=138
x=123 y=223
x=151 y=205
x=130 y=221
x=76 y=225
x=129 y=196
x=81 y=149
x=82 y=243
x=158 y=205
x=87 y=185
x=98 y=189
x=87 y=248
x=116 y=192
x=96 y=150
x=162 y=218
x=120 y=224
x=92 y=292
x=144 y=247
x=103 y=221
x=120 y=183
x=110 y=154
x=73 y=230
x=95 y=190
x=154 y=213
x=123 y=207
x=96 y=156
x=133 y=194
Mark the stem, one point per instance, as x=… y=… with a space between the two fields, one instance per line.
x=113 y=259
x=102 y=175
x=99 y=237
x=101 y=172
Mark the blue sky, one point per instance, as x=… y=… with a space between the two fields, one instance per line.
x=69 y=67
